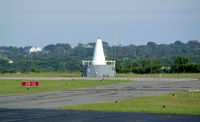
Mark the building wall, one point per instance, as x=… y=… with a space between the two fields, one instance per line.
x=99 y=71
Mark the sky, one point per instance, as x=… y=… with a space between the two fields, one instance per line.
x=43 y=22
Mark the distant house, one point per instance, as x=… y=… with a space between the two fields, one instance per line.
x=165 y=68
x=86 y=46
x=10 y=61
x=35 y=49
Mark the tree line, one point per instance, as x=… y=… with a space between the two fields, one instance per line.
x=63 y=58
x=182 y=65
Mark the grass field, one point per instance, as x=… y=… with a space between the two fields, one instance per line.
x=42 y=74
x=78 y=74
x=186 y=103
x=14 y=86
x=163 y=75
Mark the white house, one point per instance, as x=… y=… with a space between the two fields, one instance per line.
x=35 y=49
x=10 y=61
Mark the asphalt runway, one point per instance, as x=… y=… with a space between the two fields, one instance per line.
x=48 y=102
x=43 y=115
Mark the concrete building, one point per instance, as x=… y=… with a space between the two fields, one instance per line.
x=98 y=67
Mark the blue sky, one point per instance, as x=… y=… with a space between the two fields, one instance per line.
x=43 y=22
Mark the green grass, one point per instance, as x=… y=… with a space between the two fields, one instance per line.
x=186 y=103
x=164 y=75
x=14 y=86
x=42 y=74
x=78 y=74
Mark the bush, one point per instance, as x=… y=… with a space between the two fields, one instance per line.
x=35 y=70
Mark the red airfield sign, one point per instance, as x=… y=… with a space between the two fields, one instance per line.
x=30 y=83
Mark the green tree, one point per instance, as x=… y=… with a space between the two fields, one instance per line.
x=181 y=60
x=118 y=66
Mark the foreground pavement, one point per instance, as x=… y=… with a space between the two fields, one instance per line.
x=43 y=106
x=41 y=115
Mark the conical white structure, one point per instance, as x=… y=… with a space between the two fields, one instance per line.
x=98 y=57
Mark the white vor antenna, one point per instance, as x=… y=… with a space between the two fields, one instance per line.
x=98 y=57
